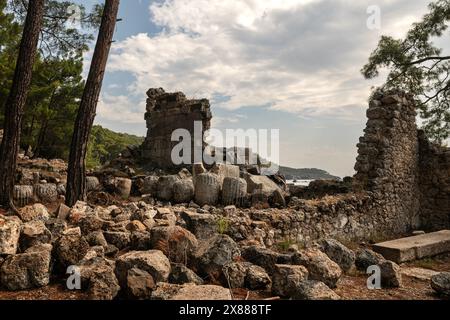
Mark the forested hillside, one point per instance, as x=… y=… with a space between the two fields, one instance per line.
x=105 y=145
x=56 y=89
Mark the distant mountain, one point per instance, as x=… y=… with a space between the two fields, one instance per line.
x=306 y=174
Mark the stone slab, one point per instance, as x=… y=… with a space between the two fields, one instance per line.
x=419 y=273
x=413 y=248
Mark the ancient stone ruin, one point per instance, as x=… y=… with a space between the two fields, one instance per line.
x=167 y=112
x=200 y=231
x=408 y=175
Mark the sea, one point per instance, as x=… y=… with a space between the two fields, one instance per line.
x=303 y=183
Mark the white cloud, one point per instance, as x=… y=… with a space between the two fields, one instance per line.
x=295 y=55
x=218 y=121
x=119 y=108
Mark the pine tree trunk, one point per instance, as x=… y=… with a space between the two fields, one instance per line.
x=76 y=184
x=41 y=138
x=14 y=107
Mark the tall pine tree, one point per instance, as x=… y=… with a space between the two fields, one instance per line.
x=16 y=100
x=76 y=184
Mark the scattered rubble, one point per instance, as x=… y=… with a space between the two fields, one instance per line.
x=339 y=253
x=286 y=279
x=165 y=291
x=27 y=270
x=320 y=267
x=441 y=283
x=9 y=234
x=204 y=232
x=314 y=290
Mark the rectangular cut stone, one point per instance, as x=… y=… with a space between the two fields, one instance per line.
x=417 y=247
x=226 y=170
x=419 y=273
x=262 y=183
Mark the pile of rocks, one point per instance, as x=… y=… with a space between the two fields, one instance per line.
x=222 y=184
x=141 y=251
x=39 y=180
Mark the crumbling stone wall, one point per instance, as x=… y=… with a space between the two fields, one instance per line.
x=402 y=181
x=402 y=184
x=347 y=217
x=167 y=112
x=388 y=161
x=434 y=185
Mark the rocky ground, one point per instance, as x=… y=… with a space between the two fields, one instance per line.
x=139 y=250
x=165 y=237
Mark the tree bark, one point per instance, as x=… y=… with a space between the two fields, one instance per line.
x=76 y=184
x=14 y=107
x=41 y=139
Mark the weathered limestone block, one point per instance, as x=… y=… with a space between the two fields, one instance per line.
x=34 y=233
x=70 y=249
x=166 y=291
x=165 y=187
x=247 y=275
x=314 y=290
x=182 y=275
x=27 y=270
x=286 y=278
x=262 y=184
x=213 y=254
x=139 y=284
x=46 y=192
x=36 y=211
x=120 y=239
x=149 y=185
x=391 y=276
x=23 y=195
x=441 y=283
x=339 y=253
x=9 y=234
x=225 y=170
x=235 y=273
x=264 y=257
x=207 y=189
x=176 y=243
x=202 y=225
x=234 y=191
x=319 y=266
x=257 y=278
x=416 y=247
x=153 y=261
x=183 y=191
x=98 y=278
x=92 y=183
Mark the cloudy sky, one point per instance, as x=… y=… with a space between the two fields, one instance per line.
x=291 y=65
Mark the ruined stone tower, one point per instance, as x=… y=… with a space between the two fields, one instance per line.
x=388 y=158
x=167 y=112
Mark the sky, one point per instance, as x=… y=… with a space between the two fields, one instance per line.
x=292 y=65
